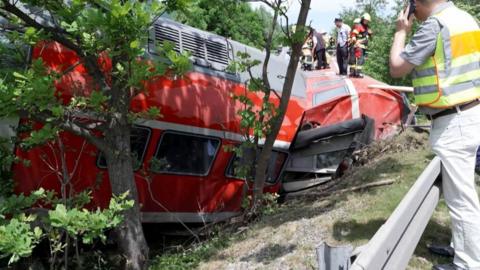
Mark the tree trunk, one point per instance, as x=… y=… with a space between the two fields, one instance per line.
x=264 y=157
x=262 y=163
x=130 y=238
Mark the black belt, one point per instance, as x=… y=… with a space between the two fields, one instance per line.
x=455 y=109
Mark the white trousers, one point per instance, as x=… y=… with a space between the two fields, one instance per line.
x=455 y=139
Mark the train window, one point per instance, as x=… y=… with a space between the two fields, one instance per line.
x=277 y=160
x=329 y=94
x=179 y=153
x=138 y=144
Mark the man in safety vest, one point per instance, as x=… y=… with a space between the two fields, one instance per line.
x=444 y=58
x=359 y=37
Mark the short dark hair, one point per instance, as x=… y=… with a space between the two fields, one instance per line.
x=429 y=1
x=338 y=20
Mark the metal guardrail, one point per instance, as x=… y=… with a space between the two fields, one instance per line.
x=394 y=243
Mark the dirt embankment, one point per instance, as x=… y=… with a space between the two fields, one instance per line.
x=405 y=142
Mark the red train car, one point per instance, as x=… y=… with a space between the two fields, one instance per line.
x=191 y=177
x=182 y=170
x=343 y=115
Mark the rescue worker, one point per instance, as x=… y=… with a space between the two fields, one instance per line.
x=444 y=57
x=326 y=39
x=365 y=22
x=361 y=33
x=343 y=32
x=307 y=56
x=351 y=47
x=318 y=49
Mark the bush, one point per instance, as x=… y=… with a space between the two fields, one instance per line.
x=63 y=226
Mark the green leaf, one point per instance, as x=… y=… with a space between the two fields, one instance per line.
x=153 y=112
x=57 y=111
x=30 y=31
x=37 y=232
x=19 y=76
x=119 y=67
x=134 y=44
x=97 y=99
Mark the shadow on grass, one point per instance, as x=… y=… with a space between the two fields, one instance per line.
x=352 y=230
x=435 y=233
x=269 y=253
x=296 y=210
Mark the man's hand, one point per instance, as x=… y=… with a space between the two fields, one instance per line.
x=403 y=23
x=398 y=66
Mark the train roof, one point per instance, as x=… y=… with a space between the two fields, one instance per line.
x=212 y=54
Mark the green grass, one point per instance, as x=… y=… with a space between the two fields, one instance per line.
x=190 y=258
x=375 y=205
x=422 y=119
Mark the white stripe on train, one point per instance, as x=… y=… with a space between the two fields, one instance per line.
x=284 y=145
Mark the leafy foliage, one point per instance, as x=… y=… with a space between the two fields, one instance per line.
x=88 y=224
x=243 y=24
x=269 y=202
x=17 y=239
x=191 y=258
x=471 y=6
x=18 y=235
x=15 y=205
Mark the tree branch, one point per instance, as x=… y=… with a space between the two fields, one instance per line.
x=56 y=33
x=84 y=133
x=70 y=126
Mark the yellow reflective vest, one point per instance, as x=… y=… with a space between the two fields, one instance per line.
x=452 y=75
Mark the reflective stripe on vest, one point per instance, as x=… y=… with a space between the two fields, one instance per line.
x=452 y=75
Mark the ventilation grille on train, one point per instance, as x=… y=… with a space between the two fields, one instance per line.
x=167 y=34
x=205 y=51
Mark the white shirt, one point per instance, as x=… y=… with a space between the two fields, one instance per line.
x=342 y=35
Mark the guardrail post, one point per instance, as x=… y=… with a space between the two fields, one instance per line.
x=334 y=257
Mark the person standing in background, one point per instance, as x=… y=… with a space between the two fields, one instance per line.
x=325 y=42
x=359 y=37
x=353 y=53
x=343 y=32
x=318 y=49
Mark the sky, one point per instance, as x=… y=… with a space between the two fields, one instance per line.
x=322 y=12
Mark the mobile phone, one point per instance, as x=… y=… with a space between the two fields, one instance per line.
x=411 y=10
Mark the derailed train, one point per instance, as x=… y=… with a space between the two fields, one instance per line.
x=328 y=117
